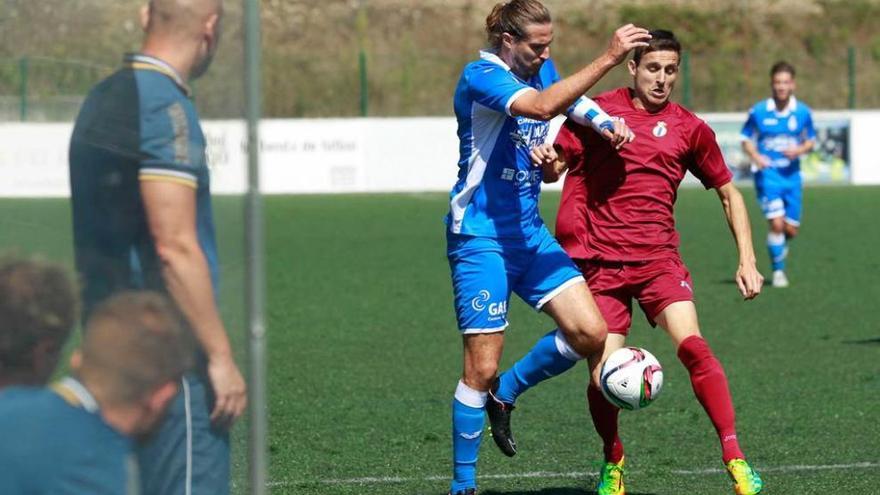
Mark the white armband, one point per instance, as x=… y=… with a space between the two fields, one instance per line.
x=586 y=112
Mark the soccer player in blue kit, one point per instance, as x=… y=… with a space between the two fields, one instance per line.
x=496 y=241
x=782 y=126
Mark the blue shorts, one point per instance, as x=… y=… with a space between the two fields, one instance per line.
x=486 y=270
x=186 y=454
x=780 y=195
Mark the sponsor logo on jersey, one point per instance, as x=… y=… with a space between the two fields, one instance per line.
x=498 y=309
x=770 y=121
x=778 y=142
x=659 y=129
x=521 y=176
x=792 y=123
x=479 y=302
x=529 y=132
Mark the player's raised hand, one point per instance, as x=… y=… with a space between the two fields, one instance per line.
x=749 y=280
x=626 y=38
x=618 y=133
x=230 y=391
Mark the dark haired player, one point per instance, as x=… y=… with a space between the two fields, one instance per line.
x=616 y=221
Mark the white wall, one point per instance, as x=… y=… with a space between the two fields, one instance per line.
x=330 y=155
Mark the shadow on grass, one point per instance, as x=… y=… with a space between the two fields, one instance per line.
x=553 y=491
x=874 y=341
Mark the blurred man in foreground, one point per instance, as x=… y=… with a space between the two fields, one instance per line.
x=77 y=436
x=142 y=219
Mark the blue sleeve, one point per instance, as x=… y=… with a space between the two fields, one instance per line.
x=494 y=87
x=809 y=130
x=166 y=144
x=750 y=128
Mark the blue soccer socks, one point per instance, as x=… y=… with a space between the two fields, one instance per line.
x=468 y=410
x=778 y=250
x=551 y=356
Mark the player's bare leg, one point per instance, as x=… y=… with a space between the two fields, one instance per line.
x=777 y=245
x=578 y=318
x=709 y=382
x=482 y=353
x=581 y=333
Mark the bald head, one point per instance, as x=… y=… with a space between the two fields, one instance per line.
x=184 y=33
x=181 y=17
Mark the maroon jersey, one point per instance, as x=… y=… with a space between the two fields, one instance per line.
x=617 y=205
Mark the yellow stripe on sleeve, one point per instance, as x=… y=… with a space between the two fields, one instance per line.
x=168 y=178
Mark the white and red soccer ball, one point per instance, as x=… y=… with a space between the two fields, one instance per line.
x=631 y=378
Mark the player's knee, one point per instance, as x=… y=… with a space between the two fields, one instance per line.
x=791 y=231
x=480 y=375
x=588 y=336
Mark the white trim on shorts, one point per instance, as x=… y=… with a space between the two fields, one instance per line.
x=555 y=292
x=793 y=223
x=469 y=331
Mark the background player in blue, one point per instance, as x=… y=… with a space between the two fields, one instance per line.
x=37 y=312
x=782 y=126
x=77 y=437
x=496 y=242
x=142 y=219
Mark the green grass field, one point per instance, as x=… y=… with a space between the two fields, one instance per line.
x=365 y=355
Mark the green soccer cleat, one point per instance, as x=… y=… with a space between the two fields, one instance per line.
x=611 y=479
x=745 y=479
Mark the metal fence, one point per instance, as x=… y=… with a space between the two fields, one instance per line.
x=395 y=58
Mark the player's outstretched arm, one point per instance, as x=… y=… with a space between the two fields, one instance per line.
x=556 y=99
x=171 y=216
x=748 y=278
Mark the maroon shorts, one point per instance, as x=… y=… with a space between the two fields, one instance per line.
x=654 y=284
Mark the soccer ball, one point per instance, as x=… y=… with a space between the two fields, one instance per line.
x=631 y=378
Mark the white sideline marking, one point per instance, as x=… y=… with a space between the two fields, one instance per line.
x=384 y=480
x=787 y=469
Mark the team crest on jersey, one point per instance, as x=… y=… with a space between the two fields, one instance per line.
x=792 y=123
x=660 y=129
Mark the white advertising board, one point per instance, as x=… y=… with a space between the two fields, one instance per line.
x=306 y=156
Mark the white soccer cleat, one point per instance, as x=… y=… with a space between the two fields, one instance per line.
x=779 y=279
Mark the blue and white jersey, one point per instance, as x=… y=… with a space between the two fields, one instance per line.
x=777 y=131
x=496 y=194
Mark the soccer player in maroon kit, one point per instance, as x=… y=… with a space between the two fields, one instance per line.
x=616 y=221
